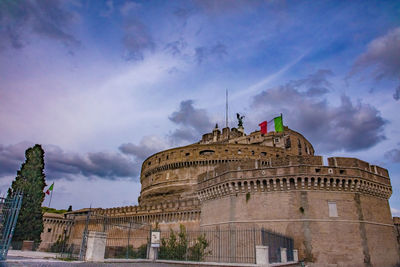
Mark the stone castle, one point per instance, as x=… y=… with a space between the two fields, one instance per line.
x=338 y=214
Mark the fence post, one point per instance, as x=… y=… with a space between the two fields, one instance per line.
x=83 y=244
x=149 y=243
x=295 y=255
x=129 y=235
x=283 y=255
x=255 y=243
x=262 y=257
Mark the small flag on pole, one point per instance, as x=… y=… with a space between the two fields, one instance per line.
x=263 y=127
x=50 y=189
x=275 y=124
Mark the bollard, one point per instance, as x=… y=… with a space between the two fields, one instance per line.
x=262 y=257
x=283 y=255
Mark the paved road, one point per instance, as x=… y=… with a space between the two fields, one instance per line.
x=52 y=263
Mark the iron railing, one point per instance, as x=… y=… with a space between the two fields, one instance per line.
x=9 y=210
x=233 y=245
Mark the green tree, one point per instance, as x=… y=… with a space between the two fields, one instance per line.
x=31 y=180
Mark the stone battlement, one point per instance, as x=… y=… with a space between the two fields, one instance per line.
x=151 y=208
x=250 y=176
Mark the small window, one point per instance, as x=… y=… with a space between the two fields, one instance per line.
x=263 y=153
x=49 y=230
x=277 y=140
x=317 y=170
x=332 y=209
x=206 y=152
x=159 y=160
x=342 y=171
x=187 y=154
x=167 y=157
x=149 y=163
x=239 y=151
x=252 y=152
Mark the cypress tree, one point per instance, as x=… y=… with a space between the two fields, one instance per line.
x=31 y=180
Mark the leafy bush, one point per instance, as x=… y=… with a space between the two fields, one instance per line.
x=176 y=247
x=197 y=252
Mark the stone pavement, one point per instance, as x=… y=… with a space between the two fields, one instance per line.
x=44 y=259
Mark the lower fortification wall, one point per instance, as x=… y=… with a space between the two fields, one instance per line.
x=346 y=229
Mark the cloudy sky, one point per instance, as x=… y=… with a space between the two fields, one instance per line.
x=104 y=84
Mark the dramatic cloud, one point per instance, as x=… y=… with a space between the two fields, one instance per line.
x=393 y=155
x=383 y=58
x=316 y=84
x=203 y=53
x=148 y=146
x=47 y=18
x=12 y=156
x=60 y=164
x=349 y=127
x=137 y=39
x=193 y=122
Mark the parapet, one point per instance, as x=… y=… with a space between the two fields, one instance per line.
x=357 y=163
x=167 y=206
x=216 y=137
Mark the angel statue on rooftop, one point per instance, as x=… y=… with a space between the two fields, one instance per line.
x=240 y=120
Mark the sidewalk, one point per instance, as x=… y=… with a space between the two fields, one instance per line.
x=38 y=258
x=32 y=254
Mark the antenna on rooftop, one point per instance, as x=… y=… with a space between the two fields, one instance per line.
x=226 y=114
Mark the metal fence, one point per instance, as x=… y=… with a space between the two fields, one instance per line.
x=125 y=237
x=275 y=242
x=225 y=245
x=9 y=210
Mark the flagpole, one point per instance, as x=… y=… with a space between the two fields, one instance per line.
x=226 y=114
x=50 y=197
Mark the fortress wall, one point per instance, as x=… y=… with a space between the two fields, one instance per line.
x=382 y=245
x=173 y=173
x=54 y=226
x=198 y=153
x=319 y=237
x=381 y=241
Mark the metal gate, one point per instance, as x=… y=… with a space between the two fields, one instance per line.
x=9 y=210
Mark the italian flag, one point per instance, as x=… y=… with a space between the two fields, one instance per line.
x=274 y=125
x=50 y=189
